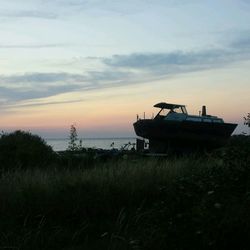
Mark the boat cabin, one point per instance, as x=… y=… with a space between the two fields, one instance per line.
x=177 y=112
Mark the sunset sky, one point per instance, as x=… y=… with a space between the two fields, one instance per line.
x=98 y=63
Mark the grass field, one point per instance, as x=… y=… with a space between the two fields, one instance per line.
x=194 y=202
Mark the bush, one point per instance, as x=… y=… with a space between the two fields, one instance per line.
x=22 y=149
x=238 y=149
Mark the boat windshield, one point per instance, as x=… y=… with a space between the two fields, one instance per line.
x=164 y=112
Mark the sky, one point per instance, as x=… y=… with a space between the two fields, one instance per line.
x=98 y=63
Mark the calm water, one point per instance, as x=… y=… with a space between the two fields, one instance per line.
x=104 y=143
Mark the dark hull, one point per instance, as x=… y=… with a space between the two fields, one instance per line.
x=185 y=134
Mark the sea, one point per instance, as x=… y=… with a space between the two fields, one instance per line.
x=97 y=143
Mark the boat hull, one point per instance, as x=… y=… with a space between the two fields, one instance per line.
x=163 y=135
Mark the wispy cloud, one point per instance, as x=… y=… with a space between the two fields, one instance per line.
x=242 y=44
x=134 y=3
x=44 y=103
x=22 y=92
x=118 y=70
x=119 y=7
x=27 y=14
x=171 y=63
x=32 y=46
x=41 y=78
x=40 y=85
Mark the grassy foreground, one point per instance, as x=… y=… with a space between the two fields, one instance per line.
x=188 y=203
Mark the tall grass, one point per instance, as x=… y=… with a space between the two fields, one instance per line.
x=188 y=203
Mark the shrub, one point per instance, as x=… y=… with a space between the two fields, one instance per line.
x=22 y=149
x=238 y=149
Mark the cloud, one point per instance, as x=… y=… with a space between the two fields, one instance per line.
x=35 y=86
x=170 y=63
x=242 y=44
x=21 y=93
x=16 y=88
x=149 y=60
x=129 y=7
x=41 y=78
x=31 y=46
x=119 y=70
x=120 y=3
x=28 y=14
x=109 y=76
x=46 y=103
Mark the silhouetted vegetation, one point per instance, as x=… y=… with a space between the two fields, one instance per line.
x=194 y=202
x=75 y=144
x=22 y=149
x=247 y=120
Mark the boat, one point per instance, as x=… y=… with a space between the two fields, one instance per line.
x=174 y=129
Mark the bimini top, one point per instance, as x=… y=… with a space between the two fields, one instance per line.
x=164 y=105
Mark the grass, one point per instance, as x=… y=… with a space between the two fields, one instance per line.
x=186 y=203
x=79 y=202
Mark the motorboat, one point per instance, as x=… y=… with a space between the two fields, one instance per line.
x=174 y=128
